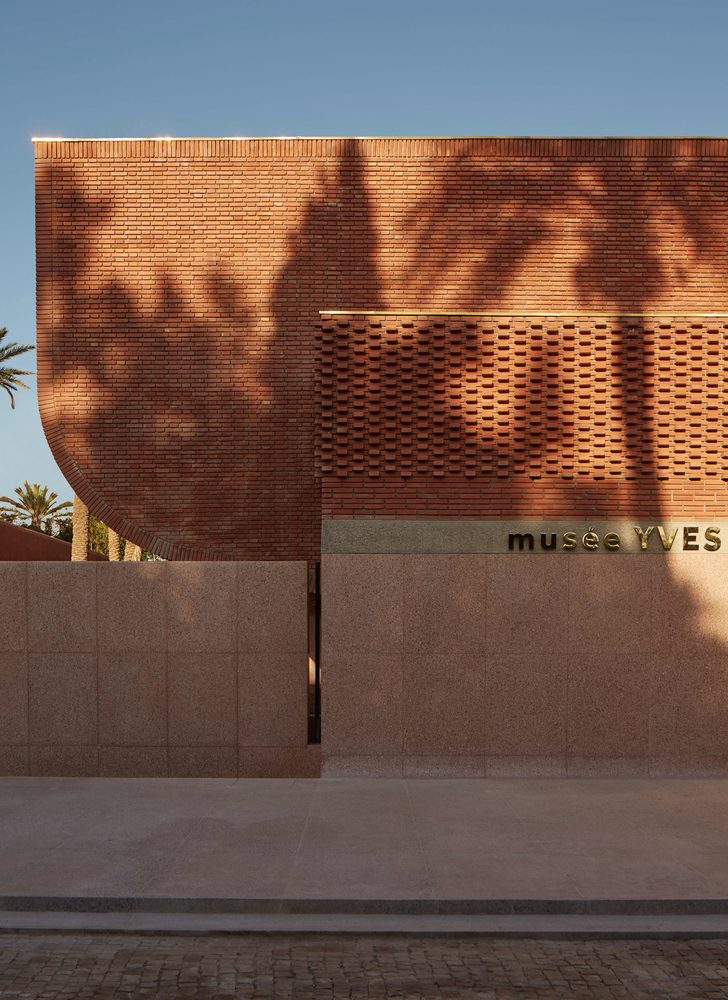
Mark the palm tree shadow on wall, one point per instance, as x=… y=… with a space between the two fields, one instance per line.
x=163 y=382
x=332 y=254
x=629 y=222
x=122 y=352
x=188 y=389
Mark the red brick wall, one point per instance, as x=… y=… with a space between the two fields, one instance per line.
x=180 y=284
x=21 y=544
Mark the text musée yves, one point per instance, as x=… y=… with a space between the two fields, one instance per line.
x=612 y=541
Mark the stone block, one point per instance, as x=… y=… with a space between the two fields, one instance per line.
x=525 y=767
x=63 y=702
x=607 y=767
x=691 y=766
x=443 y=704
x=689 y=709
x=361 y=604
x=201 y=607
x=526 y=605
x=272 y=698
x=525 y=705
x=62 y=607
x=276 y=762
x=133 y=762
x=626 y=605
x=64 y=762
x=131 y=606
x=443 y=766
x=13 y=610
x=700 y=585
x=608 y=710
x=273 y=607
x=202 y=697
x=362 y=704
x=14 y=762
x=362 y=766
x=13 y=698
x=132 y=699
x=203 y=762
x=444 y=601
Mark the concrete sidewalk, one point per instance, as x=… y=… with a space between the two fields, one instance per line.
x=411 y=845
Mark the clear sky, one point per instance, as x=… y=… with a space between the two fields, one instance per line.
x=328 y=67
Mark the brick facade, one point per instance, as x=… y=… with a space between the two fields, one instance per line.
x=180 y=285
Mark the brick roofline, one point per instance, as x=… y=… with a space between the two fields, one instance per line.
x=400 y=147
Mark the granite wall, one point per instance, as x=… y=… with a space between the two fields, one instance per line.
x=467 y=664
x=153 y=669
x=525 y=664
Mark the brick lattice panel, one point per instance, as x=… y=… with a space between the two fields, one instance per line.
x=455 y=402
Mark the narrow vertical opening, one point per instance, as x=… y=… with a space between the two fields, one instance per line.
x=314 y=652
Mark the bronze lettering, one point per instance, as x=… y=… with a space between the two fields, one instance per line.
x=521 y=540
x=590 y=540
x=569 y=540
x=644 y=535
x=666 y=538
x=689 y=542
x=712 y=542
x=612 y=541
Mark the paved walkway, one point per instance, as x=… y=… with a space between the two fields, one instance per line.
x=365 y=839
x=272 y=967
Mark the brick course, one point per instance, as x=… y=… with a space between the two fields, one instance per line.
x=179 y=290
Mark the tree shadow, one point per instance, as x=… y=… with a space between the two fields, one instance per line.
x=621 y=236
x=170 y=394
x=180 y=399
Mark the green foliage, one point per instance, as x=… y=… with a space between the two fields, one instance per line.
x=10 y=379
x=98 y=537
x=35 y=506
x=63 y=529
x=98 y=534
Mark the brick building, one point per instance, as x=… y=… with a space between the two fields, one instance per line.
x=457 y=375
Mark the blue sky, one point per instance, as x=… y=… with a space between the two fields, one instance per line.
x=291 y=67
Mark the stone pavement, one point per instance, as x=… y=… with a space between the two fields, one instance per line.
x=59 y=967
x=359 y=839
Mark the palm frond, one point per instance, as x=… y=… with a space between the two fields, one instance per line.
x=10 y=379
x=14 y=351
x=10 y=376
x=35 y=503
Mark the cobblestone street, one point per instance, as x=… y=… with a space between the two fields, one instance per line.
x=76 y=967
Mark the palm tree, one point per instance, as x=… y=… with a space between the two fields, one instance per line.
x=114 y=546
x=100 y=538
x=79 y=540
x=132 y=552
x=9 y=377
x=36 y=504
